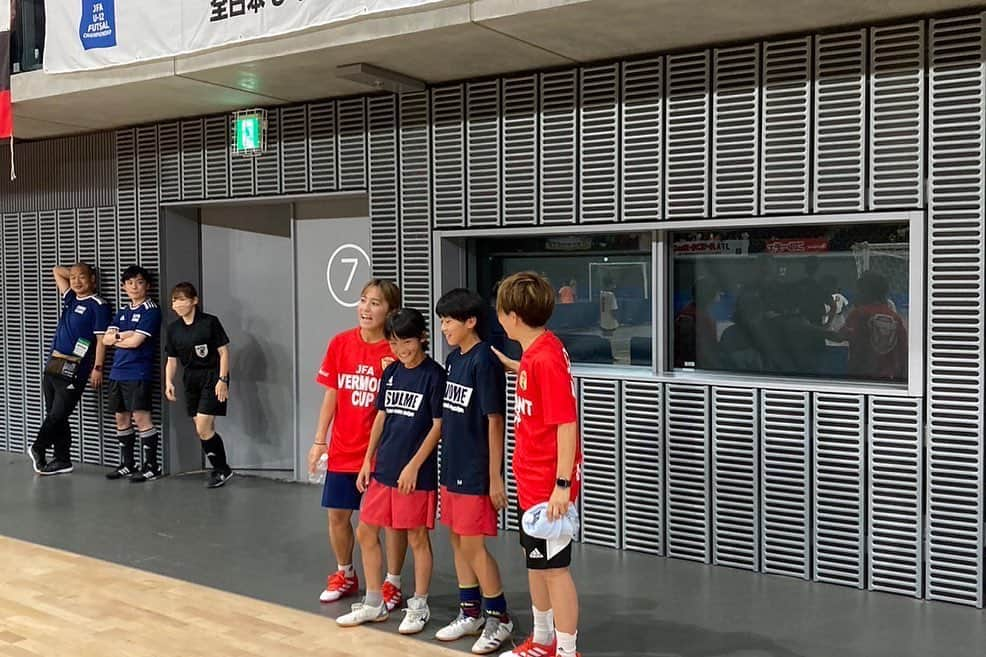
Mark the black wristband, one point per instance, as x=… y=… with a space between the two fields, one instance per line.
x=225 y=379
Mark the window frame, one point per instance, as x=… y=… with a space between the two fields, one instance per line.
x=452 y=263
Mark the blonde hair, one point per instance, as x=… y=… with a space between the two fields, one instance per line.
x=528 y=294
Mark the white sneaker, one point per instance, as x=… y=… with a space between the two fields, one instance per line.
x=462 y=626
x=494 y=634
x=416 y=615
x=362 y=613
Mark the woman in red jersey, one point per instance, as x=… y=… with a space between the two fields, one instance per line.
x=351 y=371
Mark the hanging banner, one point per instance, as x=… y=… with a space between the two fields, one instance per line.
x=83 y=35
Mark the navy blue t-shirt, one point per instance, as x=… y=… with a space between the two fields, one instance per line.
x=412 y=399
x=476 y=387
x=81 y=319
x=136 y=364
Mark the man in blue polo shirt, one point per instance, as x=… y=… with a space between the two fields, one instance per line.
x=134 y=334
x=76 y=357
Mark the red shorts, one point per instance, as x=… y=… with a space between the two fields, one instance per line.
x=385 y=506
x=468 y=515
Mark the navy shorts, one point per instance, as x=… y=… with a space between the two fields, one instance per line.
x=340 y=492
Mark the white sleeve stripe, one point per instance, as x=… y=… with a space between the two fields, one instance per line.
x=144 y=333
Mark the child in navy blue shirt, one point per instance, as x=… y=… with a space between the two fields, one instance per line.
x=472 y=488
x=402 y=491
x=134 y=334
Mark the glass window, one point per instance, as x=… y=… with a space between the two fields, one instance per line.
x=603 y=305
x=808 y=301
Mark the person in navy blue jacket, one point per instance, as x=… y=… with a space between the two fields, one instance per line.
x=76 y=358
x=134 y=334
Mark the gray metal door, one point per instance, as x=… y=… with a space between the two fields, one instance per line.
x=332 y=265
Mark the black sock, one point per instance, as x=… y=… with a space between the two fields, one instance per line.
x=126 y=438
x=216 y=452
x=148 y=442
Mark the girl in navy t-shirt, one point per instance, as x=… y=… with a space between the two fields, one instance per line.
x=399 y=477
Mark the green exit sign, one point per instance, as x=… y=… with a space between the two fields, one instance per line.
x=249 y=132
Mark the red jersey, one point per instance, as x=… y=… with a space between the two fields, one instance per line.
x=877 y=342
x=545 y=399
x=353 y=368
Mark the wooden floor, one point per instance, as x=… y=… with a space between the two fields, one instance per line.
x=55 y=603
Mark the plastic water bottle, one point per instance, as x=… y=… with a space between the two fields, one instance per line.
x=318 y=477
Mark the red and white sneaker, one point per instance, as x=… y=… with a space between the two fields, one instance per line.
x=392 y=596
x=531 y=649
x=339 y=586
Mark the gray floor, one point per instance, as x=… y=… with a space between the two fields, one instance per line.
x=266 y=539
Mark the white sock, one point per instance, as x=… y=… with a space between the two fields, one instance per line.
x=348 y=570
x=544 y=626
x=422 y=598
x=394 y=579
x=566 y=644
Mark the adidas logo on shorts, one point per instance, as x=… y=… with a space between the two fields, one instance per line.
x=535 y=554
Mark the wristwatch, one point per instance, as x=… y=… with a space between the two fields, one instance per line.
x=561 y=482
x=224 y=379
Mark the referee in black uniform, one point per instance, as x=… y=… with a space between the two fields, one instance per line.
x=199 y=341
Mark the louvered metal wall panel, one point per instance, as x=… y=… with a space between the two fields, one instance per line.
x=217 y=156
x=840 y=122
x=242 y=169
x=147 y=199
x=735 y=467
x=126 y=189
x=109 y=268
x=170 y=161
x=384 y=230
x=322 y=146
x=736 y=131
x=509 y=518
x=520 y=151
x=955 y=314
x=30 y=289
x=52 y=174
x=897 y=112
x=785 y=124
x=558 y=189
x=839 y=475
x=895 y=495
x=415 y=203
x=642 y=139
x=687 y=470
x=483 y=152
x=785 y=483
x=352 y=143
x=294 y=149
x=192 y=159
x=448 y=164
x=687 y=135
x=600 y=434
x=268 y=165
x=599 y=144
x=50 y=257
x=643 y=467
x=15 y=349
x=5 y=339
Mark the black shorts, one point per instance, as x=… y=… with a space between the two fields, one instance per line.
x=542 y=554
x=200 y=393
x=130 y=396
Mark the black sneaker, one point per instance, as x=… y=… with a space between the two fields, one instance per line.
x=56 y=468
x=147 y=472
x=121 y=472
x=217 y=479
x=38 y=460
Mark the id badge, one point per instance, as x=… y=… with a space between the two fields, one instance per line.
x=81 y=348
